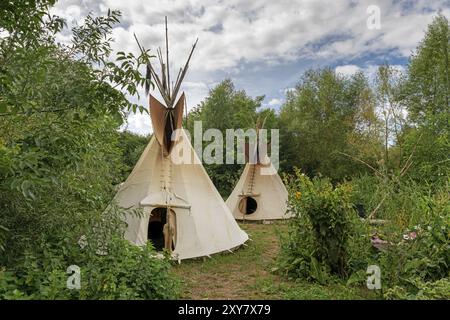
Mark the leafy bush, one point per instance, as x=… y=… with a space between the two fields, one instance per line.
x=124 y=272
x=402 y=201
x=416 y=227
x=325 y=237
x=132 y=146
x=60 y=157
x=365 y=192
x=421 y=257
x=439 y=289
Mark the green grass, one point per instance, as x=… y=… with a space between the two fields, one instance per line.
x=246 y=273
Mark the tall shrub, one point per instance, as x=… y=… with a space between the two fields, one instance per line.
x=323 y=230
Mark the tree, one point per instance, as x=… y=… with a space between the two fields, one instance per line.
x=388 y=81
x=426 y=94
x=228 y=108
x=225 y=107
x=60 y=109
x=326 y=119
x=427 y=91
x=132 y=146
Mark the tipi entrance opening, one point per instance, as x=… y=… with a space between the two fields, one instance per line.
x=248 y=205
x=158 y=229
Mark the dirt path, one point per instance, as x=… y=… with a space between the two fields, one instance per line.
x=246 y=273
x=235 y=276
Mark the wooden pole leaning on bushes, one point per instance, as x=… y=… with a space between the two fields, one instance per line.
x=408 y=163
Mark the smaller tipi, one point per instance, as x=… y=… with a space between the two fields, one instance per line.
x=260 y=193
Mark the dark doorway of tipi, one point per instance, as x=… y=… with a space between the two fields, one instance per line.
x=156 y=224
x=159 y=231
x=248 y=205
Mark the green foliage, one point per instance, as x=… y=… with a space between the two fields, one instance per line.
x=61 y=106
x=402 y=201
x=417 y=222
x=387 y=89
x=29 y=22
x=429 y=150
x=415 y=260
x=228 y=108
x=49 y=77
x=324 y=238
x=55 y=180
x=325 y=116
x=225 y=107
x=427 y=90
x=426 y=95
x=366 y=191
x=61 y=155
x=437 y=290
x=408 y=206
x=132 y=146
x=411 y=261
x=125 y=272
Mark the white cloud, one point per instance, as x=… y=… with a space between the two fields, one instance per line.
x=139 y=123
x=263 y=34
x=195 y=92
x=275 y=102
x=266 y=31
x=347 y=70
x=371 y=70
x=286 y=90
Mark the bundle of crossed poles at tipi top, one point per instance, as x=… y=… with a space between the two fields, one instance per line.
x=166 y=119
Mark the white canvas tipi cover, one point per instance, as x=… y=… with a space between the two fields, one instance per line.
x=181 y=206
x=204 y=224
x=259 y=194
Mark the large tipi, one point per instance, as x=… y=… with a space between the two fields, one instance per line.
x=260 y=193
x=182 y=210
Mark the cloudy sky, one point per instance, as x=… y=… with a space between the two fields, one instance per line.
x=264 y=46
